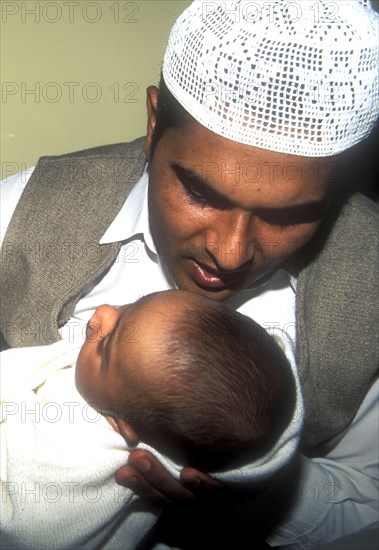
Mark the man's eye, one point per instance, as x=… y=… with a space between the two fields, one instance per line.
x=198 y=192
x=281 y=220
x=204 y=197
x=196 y=196
x=293 y=215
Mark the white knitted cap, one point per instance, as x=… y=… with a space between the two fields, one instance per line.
x=293 y=77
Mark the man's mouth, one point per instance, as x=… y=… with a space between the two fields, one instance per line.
x=211 y=279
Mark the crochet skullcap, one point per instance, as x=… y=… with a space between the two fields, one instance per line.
x=292 y=77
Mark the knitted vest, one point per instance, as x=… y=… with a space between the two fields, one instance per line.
x=51 y=257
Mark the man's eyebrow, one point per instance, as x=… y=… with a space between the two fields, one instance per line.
x=191 y=174
x=307 y=212
x=287 y=215
x=198 y=181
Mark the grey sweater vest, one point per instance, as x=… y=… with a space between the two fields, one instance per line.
x=51 y=257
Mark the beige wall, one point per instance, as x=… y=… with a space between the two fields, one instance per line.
x=74 y=73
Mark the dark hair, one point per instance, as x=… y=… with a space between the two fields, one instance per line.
x=221 y=390
x=170 y=114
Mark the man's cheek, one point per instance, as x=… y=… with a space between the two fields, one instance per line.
x=287 y=248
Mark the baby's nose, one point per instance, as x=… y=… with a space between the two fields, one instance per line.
x=103 y=320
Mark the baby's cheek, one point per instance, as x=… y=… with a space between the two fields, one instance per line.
x=83 y=374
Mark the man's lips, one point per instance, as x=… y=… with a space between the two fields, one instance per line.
x=209 y=278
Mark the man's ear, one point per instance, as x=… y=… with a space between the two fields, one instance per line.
x=127 y=432
x=151 y=103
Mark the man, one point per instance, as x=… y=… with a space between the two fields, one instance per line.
x=237 y=203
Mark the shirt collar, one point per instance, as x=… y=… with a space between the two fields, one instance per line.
x=133 y=218
x=293 y=281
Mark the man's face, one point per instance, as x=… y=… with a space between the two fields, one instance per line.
x=222 y=214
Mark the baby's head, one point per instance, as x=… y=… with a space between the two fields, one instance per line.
x=191 y=377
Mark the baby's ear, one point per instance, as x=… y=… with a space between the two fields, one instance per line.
x=127 y=432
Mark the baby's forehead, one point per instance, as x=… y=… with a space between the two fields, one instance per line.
x=151 y=312
x=149 y=329
x=173 y=301
x=160 y=314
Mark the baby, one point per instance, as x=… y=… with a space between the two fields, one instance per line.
x=192 y=378
x=195 y=381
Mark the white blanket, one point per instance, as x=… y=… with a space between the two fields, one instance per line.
x=59 y=456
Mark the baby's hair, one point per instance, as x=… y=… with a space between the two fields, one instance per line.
x=219 y=390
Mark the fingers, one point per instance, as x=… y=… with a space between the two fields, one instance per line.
x=146 y=476
x=196 y=480
x=131 y=479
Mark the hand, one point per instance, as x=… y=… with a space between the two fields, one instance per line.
x=146 y=476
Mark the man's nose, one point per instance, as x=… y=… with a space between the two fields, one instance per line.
x=230 y=241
